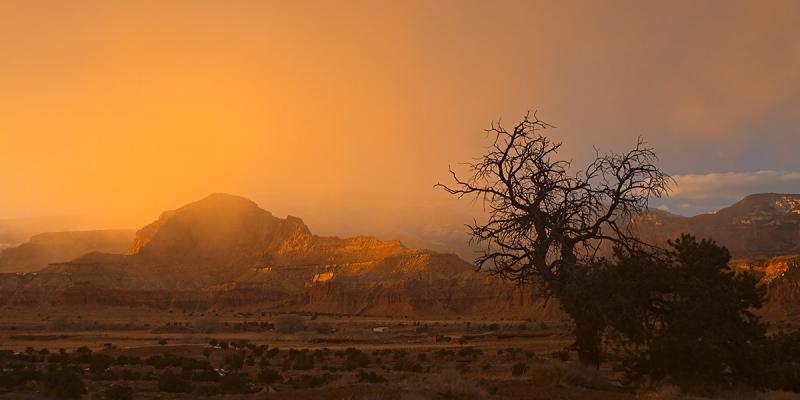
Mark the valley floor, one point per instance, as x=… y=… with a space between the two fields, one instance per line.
x=325 y=357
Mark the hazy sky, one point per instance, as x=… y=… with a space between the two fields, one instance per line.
x=346 y=113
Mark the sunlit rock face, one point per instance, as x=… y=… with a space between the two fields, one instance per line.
x=224 y=251
x=781 y=278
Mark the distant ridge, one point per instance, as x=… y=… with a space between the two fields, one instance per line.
x=764 y=224
x=224 y=251
x=52 y=247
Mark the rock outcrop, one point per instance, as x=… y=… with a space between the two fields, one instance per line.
x=225 y=251
x=763 y=225
x=781 y=278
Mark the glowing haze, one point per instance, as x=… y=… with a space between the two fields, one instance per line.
x=346 y=113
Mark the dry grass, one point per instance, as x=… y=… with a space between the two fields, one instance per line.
x=552 y=373
x=665 y=392
x=447 y=385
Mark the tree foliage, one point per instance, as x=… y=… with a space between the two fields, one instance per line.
x=686 y=316
x=547 y=222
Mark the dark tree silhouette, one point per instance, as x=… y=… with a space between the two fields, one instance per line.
x=546 y=220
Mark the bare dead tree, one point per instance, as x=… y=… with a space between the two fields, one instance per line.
x=546 y=220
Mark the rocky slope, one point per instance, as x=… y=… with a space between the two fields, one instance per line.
x=759 y=225
x=781 y=277
x=52 y=247
x=224 y=251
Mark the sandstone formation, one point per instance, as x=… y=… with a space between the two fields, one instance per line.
x=781 y=277
x=224 y=251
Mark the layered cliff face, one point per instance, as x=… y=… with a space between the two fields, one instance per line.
x=224 y=251
x=781 y=278
x=52 y=247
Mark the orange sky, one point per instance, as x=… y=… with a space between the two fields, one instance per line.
x=332 y=110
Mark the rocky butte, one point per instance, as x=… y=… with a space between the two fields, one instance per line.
x=225 y=251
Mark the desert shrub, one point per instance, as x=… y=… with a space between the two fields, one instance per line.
x=272 y=352
x=546 y=375
x=207 y=390
x=118 y=392
x=202 y=375
x=370 y=377
x=223 y=344
x=268 y=376
x=355 y=358
x=303 y=361
x=128 y=375
x=777 y=363
x=513 y=351
x=310 y=381
x=28 y=357
x=450 y=386
x=259 y=351
x=444 y=354
x=463 y=368
x=580 y=375
x=58 y=358
x=100 y=363
x=470 y=352
x=562 y=355
x=170 y=360
x=126 y=360
x=561 y=374
x=323 y=328
x=171 y=383
x=518 y=369
x=15 y=377
x=84 y=354
x=408 y=366
x=400 y=354
x=289 y=323
x=63 y=383
x=213 y=342
x=208 y=324
x=320 y=355
x=234 y=383
x=162 y=342
x=234 y=361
